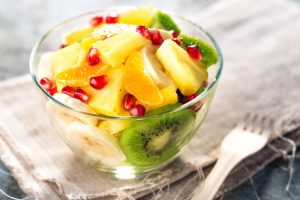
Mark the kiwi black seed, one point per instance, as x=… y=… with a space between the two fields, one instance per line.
x=155 y=140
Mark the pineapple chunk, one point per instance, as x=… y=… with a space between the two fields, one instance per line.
x=169 y=97
x=139 y=16
x=77 y=35
x=114 y=126
x=108 y=100
x=117 y=48
x=72 y=56
x=185 y=72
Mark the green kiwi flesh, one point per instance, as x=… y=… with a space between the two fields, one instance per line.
x=164 y=21
x=210 y=56
x=155 y=140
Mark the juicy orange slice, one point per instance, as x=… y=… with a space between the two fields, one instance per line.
x=80 y=77
x=139 y=83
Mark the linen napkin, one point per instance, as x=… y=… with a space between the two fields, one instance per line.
x=260 y=46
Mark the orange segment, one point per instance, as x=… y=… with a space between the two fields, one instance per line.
x=79 y=77
x=139 y=83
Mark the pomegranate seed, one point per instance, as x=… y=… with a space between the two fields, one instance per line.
x=93 y=57
x=112 y=18
x=128 y=101
x=96 y=21
x=174 y=34
x=99 y=82
x=156 y=37
x=144 y=31
x=177 y=41
x=107 y=36
x=52 y=91
x=191 y=97
x=195 y=107
x=81 y=95
x=68 y=90
x=137 y=110
x=194 y=52
x=62 y=46
x=46 y=83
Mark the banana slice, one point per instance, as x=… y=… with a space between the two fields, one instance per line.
x=96 y=143
x=44 y=66
x=64 y=117
x=165 y=34
x=154 y=67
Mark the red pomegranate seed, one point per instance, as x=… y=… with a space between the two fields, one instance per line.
x=68 y=90
x=191 y=97
x=177 y=41
x=96 y=21
x=174 y=34
x=46 y=83
x=52 y=91
x=81 y=95
x=112 y=18
x=137 y=110
x=99 y=82
x=194 y=52
x=196 y=106
x=106 y=37
x=93 y=57
x=144 y=31
x=62 y=46
x=128 y=101
x=156 y=37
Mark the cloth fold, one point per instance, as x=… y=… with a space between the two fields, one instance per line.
x=261 y=74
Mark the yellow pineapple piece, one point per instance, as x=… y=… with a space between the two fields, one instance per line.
x=185 y=72
x=169 y=97
x=72 y=56
x=108 y=100
x=114 y=126
x=138 y=16
x=77 y=35
x=117 y=48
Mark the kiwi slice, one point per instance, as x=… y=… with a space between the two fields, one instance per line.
x=164 y=21
x=155 y=140
x=164 y=109
x=210 y=56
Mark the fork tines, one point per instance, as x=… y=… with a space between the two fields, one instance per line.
x=256 y=123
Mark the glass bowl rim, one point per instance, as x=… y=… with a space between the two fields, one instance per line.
x=202 y=95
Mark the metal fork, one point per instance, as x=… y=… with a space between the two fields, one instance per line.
x=245 y=139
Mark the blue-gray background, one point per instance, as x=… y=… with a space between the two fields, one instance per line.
x=22 y=22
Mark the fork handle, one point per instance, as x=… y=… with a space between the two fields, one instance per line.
x=208 y=189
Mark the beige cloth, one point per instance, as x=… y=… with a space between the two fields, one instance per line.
x=260 y=42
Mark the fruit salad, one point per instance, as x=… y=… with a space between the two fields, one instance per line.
x=123 y=80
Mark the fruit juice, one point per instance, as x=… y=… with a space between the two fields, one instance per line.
x=120 y=87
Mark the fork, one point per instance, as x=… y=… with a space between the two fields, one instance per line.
x=247 y=138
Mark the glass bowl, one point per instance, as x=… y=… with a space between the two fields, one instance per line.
x=156 y=139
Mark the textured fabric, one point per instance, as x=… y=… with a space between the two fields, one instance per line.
x=261 y=74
